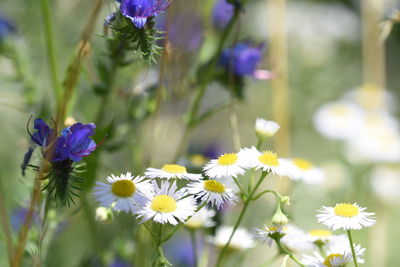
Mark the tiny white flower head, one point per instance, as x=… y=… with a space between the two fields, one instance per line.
x=320 y=236
x=227 y=165
x=123 y=193
x=337 y=256
x=345 y=216
x=265 y=128
x=201 y=219
x=167 y=204
x=218 y=193
x=103 y=214
x=241 y=240
x=266 y=161
x=305 y=171
x=339 y=120
x=172 y=171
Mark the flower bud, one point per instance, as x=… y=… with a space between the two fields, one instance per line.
x=265 y=129
x=279 y=218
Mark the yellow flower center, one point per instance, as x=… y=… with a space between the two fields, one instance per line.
x=269 y=158
x=302 y=164
x=123 y=188
x=174 y=168
x=227 y=159
x=327 y=261
x=320 y=233
x=198 y=160
x=340 y=109
x=163 y=203
x=214 y=186
x=346 y=210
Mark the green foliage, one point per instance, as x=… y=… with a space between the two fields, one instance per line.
x=142 y=41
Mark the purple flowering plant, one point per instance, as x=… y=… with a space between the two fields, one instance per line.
x=64 y=152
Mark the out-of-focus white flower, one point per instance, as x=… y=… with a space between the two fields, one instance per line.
x=339 y=120
x=307 y=172
x=201 y=219
x=372 y=98
x=385 y=182
x=103 y=214
x=241 y=240
x=265 y=128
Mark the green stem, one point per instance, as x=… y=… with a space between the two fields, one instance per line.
x=283 y=249
x=240 y=218
x=194 y=246
x=352 y=248
x=180 y=225
x=44 y=4
x=192 y=120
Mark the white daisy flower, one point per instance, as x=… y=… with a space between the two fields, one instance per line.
x=267 y=235
x=345 y=216
x=227 y=165
x=265 y=128
x=339 y=120
x=293 y=238
x=167 y=205
x=337 y=256
x=202 y=219
x=123 y=193
x=321 y=236
x=172 y=171
x=307 y=172
x=267 y=161
x=217 y=193
x=242 y=239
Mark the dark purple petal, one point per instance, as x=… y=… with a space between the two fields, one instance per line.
x=59 y=150
x=43 y=133
x=78 y=141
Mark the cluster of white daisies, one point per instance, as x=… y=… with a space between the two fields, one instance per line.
x=365 y=121
x=319 y=247
x=156 y=194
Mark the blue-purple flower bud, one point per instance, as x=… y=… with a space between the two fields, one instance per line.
x=242 y=59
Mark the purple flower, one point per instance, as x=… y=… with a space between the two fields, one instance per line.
x=222 y=14
x=139 y=10
x=6 y=27
x=242 y=59
x=42 y=136
x=75 y=142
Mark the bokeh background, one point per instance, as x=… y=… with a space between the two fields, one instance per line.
x=322 y=49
